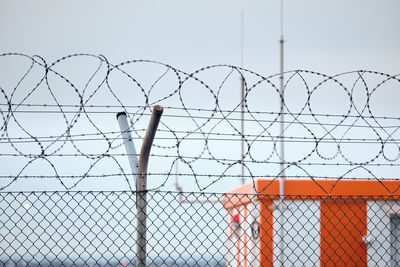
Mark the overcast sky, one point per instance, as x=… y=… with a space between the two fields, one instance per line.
x=326 y=36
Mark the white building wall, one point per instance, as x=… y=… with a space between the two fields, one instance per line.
x=253 y=241
x=235 y=246
x=230 y=243
x=378 y=233
x=301 y=232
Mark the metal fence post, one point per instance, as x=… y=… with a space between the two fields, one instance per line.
x=141 y=186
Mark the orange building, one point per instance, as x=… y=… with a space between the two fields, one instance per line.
x=322 y=222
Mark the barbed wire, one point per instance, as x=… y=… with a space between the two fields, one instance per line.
x=58 y=118
x=198 y=109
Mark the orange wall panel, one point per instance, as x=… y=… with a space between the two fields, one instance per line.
x=343 y=225
x=266 y=234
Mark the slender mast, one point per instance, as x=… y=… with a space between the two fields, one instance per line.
x=242 y=95
x=282 y=109
x=282 y=147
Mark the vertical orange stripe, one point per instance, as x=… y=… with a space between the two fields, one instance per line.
x=238 y=242
x=245 y=236
x=266 y=232
x=343 y=225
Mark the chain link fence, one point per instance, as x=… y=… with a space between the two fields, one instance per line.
x=198 y=229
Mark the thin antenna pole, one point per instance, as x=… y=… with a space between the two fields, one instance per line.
x=281 y=19
x=282 y=107
x=241 y=38
x=282 y=145
x=242 y=93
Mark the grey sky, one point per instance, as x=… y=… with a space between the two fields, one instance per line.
x=327 y=36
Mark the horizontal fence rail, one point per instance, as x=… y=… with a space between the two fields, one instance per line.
x=198 y=229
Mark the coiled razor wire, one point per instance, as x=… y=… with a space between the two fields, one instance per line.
x=58 y=122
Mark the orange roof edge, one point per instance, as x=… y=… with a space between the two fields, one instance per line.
x=325 y=187
x=238 y=196
x=369 y=189
x=243 y=189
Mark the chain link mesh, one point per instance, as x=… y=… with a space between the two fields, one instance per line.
x=198 y=229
